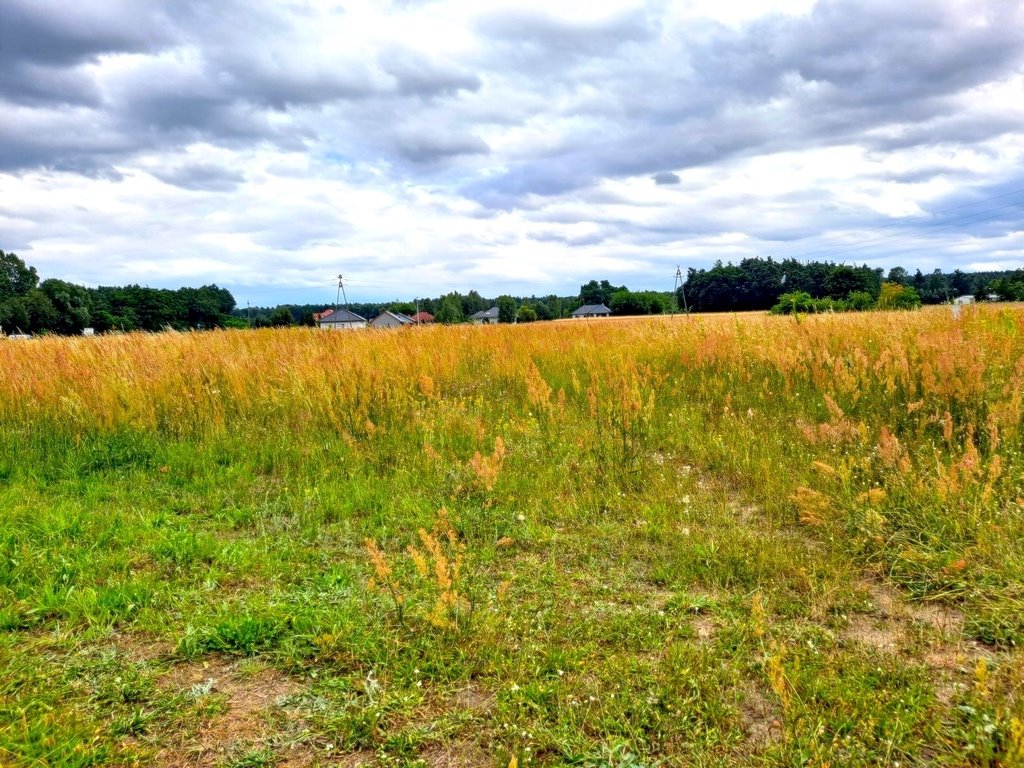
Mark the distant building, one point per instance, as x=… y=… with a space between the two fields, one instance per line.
x=485 y=317
x=963 y=300
x=339 y=320
x=591 y=310
x=88 y=331
x=422 y=318
x=391 y=320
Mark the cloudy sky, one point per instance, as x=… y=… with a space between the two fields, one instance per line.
x=423 y=146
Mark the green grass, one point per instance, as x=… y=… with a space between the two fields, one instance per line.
x=635 y=589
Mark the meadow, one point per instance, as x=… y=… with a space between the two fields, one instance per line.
x=700 y=541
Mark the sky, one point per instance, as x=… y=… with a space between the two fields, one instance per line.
x=424 y=146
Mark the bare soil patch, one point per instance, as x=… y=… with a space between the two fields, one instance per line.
x=252 y=698
x=761 y=719
x=475 y=699
x=881 y=635
x=459 y=754
x=704 y=628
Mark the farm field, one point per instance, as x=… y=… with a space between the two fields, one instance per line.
x=707 y=540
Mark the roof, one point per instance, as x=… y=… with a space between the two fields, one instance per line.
x=592 y=309
x=403 y=319
x=341 y=316
x=423 y=317
x=485 y=314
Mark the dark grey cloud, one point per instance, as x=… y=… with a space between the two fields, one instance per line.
x=423 y=146
x=226 y=73
x=68 y=34
x=198 y=176
x=666 y=177
x=419 y=75
x=839 y=75
x=29 y=84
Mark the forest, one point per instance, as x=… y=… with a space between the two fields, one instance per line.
x=30 y=305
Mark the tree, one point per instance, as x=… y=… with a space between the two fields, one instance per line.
x=472 y=303
x=506 y=309
x=543 y=310
x=450 y=310
x=959 y=283
x=841 y=282
x=14 y=315
x=72 y=306
x=527 y=314
x=897 y=296
x=657 y=303
x=599 y=293
x=936 y=288
x=918 y=282
x=281 y=317
x=41 y=314
x=1011 y=287
x=16 y=278
x=898 y=275
x=794 y=302
x=859 y=301
x=627 y=302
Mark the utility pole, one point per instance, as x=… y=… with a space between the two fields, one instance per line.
x=248 y=313
x=417 y=310
x=341 y=294
x=677 y=288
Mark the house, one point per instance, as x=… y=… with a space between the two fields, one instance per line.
x=591 y=310
x=340 y=320
x=388 y=319
x=963 y=300
x=422 y=318
x=485 y=317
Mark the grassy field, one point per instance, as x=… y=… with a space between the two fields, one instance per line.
x=699 y=541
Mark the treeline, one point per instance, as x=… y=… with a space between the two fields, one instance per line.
x=457 y=307
x=622 y=301
x=1009 y=287
x=28 y=305
x=758 y=284
x=450 y=308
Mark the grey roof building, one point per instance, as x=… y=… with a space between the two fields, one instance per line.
x=388 y=319
x=341 y=319
x=592 y=310
x=485 y=316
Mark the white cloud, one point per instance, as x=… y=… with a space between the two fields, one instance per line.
x=456 y=144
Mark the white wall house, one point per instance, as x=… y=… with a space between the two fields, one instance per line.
x=591 y=310
x=485 y=317
x=340 y=320
x=391 y=320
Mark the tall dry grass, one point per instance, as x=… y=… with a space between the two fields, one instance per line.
x=896 y=436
